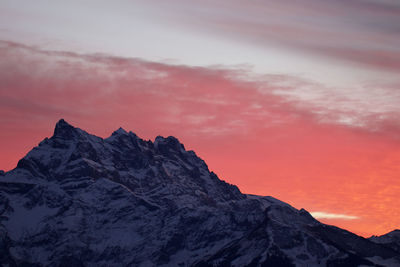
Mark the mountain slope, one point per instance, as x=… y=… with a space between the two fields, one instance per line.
x=391 y=240
x=80 y=200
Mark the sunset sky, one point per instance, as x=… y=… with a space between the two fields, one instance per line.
x=299 y=100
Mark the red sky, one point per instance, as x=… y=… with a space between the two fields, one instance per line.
x=299 y=100
x=251 y=129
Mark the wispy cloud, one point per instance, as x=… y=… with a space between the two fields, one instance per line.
x=362 y=32
x=39 y=78
x=326 y=215
x=250 y=129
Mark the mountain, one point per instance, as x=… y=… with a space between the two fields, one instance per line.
x=391 y=240
x=79 y=200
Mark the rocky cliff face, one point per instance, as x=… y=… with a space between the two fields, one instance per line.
x=80 y=200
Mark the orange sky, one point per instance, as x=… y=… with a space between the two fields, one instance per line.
x=264 y=142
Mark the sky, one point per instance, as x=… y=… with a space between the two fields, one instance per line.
x=299 y=100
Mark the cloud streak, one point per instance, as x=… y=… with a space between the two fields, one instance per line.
x=326 y=215
x=361 y=32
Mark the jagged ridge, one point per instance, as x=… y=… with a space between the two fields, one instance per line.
x=78 y=199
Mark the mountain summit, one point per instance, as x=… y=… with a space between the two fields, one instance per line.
x=80 y=200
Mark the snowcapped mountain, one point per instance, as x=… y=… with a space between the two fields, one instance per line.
x=79 y=200
x=391 y=240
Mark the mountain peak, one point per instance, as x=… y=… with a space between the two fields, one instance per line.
x=62 y=123
x=120 y=131
x=64 y=129
x=169 y=142
x=126 y=201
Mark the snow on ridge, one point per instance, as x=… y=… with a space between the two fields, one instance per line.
x=126 y=201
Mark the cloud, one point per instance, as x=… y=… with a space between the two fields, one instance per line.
x=38 y=83
x=38 y=86
x=255 y=131
x=326 y=215
x=361 y=32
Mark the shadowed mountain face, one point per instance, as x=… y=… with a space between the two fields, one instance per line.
x=80 y=200
x=391 y=240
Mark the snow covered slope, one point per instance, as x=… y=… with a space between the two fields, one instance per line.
x=391 y=240
x=80 y=200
